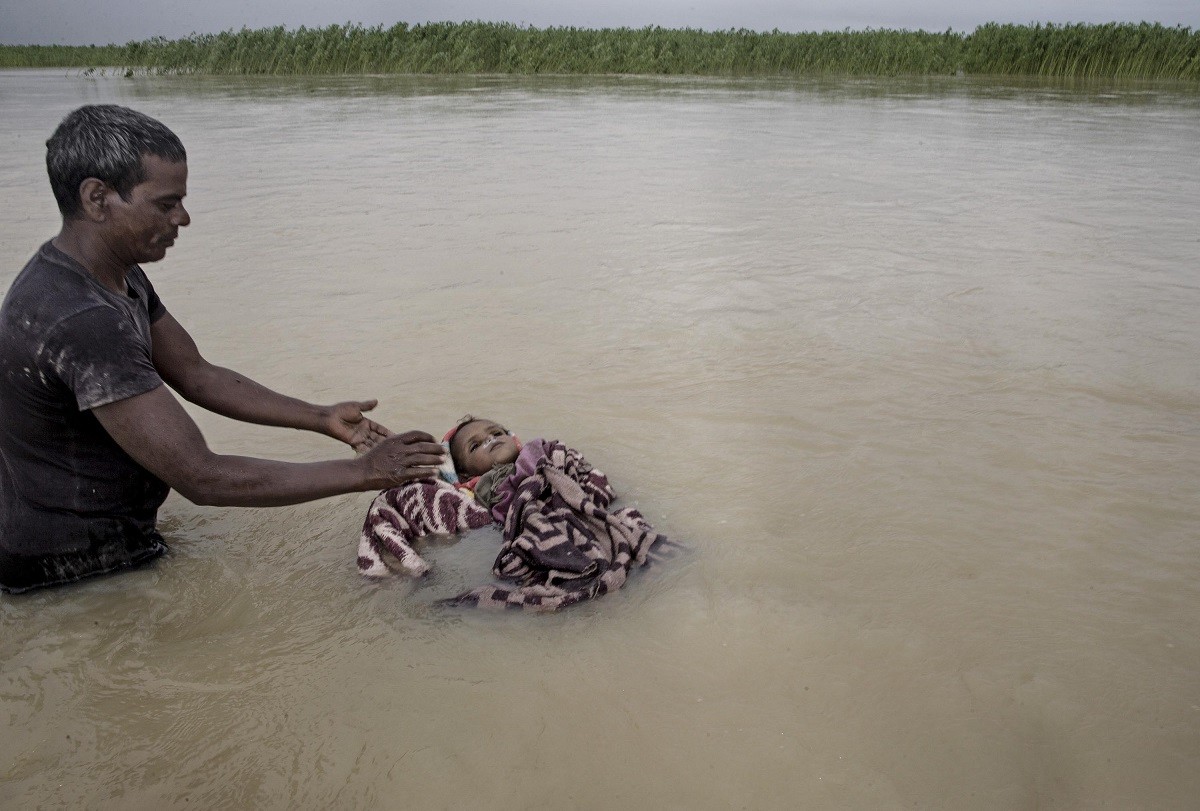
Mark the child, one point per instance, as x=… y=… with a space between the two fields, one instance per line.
x=562 y=541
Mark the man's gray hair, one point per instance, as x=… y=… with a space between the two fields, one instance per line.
x=107 y=142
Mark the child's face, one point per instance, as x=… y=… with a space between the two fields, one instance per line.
x=480 y=445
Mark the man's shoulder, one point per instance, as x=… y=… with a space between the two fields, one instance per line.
x=49 y=308
x=48 y=290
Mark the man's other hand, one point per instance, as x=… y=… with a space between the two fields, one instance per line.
x=345 y=421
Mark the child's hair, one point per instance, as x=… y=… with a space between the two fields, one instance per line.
x=448 y=439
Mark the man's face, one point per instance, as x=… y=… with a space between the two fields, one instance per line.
x=481 y=445
x=141 y=228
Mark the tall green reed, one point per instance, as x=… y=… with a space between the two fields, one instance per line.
x=1116 y=50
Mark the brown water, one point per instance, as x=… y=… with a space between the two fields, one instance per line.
x=910 y=366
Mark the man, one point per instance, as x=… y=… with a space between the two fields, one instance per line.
x=90 y=438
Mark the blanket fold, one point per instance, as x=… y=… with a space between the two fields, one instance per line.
x=397 y=517
x=562 y=543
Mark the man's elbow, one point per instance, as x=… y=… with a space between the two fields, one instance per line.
x=193 y=390
x=204 y=485
x=201 y=496
x=194 y=382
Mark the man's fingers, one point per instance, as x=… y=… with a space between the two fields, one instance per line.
x=423 y=460
x=410 y=456
x=414 y=437
x=413 y=475
x=416 y=471
x=402 y=449
x=429 y=449
x=367 y=405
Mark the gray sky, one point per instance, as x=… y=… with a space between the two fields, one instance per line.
x=81 y=22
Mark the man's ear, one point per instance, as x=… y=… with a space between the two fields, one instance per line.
x=93 y=194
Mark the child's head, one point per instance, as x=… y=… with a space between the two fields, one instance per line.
x=479 y=444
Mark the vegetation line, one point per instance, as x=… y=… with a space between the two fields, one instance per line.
x=1112 y=50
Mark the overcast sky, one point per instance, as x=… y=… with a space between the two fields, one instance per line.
x=81 y=22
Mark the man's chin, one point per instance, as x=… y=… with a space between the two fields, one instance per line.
x=155 y=252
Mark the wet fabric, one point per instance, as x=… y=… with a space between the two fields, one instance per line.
x=398 y=517
x=562 y=543
x=487 y=489
x=72 y=502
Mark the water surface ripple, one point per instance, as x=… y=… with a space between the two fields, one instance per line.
x=910 y=365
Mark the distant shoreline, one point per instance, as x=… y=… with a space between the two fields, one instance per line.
x=1110 y=50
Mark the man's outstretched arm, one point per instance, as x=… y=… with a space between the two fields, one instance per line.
x=234 y=395
x=158 y=433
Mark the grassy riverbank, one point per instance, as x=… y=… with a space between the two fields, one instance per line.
x=1117 y=50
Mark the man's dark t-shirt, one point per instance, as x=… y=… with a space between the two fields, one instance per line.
x=72 y=503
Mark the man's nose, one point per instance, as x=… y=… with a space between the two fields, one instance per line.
x=182 y=218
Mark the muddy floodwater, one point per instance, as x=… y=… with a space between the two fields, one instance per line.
x=910 y=366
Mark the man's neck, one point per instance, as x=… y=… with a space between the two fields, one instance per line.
x=93 y=256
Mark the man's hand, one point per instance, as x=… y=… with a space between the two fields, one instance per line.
x=345 y=421
x=398 y=459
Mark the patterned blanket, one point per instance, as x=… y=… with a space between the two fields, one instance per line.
x=562 y=543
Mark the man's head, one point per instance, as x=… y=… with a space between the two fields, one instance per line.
x=109 y=143
x=119 y=176
x=479 y=444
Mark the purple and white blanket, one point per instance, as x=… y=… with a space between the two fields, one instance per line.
x=561 y=542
